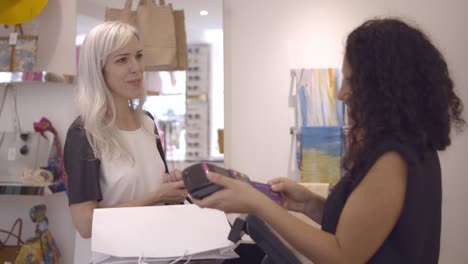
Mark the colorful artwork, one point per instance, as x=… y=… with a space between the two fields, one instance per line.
x=319 y=121
x=317 y=102
x=321 y=150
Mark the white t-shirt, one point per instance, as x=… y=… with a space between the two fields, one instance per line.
x=122 y=181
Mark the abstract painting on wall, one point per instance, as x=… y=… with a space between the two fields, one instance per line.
x=319 y=124
x=321 y=148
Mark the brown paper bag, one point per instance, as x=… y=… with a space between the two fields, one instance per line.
x=181 y=39
x=162 y=32
x=157 y=30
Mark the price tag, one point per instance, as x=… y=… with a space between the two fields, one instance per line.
x=11 y=154
x=13 y=38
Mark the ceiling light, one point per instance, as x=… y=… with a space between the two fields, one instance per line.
x=203 y=13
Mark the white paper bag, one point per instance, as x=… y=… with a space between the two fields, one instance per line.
x=158 y=233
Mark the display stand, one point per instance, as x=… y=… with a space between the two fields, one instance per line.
x=197 y=117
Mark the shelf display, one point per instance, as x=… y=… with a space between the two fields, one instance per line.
x=197 y=117
x=36 y=77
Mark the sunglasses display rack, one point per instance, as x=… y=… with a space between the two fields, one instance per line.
x=197 y=103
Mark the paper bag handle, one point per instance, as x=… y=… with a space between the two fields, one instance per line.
x=128 y=5
x=152 y=2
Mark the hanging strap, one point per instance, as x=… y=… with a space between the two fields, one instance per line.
x=2 y=104
x=4 y=96
x=128 y=5
x=16 y=123
x=158 y=143
x=11 y=233
x=15 y=115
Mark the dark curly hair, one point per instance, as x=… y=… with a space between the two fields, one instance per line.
x=401 y=89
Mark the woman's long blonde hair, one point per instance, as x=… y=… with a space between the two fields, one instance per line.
x=95 y=103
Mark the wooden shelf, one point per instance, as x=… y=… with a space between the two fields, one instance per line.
x=21 y=189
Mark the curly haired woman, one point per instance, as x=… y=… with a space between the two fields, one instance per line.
x=387 y=208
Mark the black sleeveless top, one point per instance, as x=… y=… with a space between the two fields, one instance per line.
x=416 y=235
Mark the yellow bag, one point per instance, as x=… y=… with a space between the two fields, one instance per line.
x=41 y=248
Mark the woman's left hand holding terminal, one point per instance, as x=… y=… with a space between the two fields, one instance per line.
x=172 y=176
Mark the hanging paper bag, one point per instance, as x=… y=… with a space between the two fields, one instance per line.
x=157 y=30
x=181 y=41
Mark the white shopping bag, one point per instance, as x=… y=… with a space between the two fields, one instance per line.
x=157 y=233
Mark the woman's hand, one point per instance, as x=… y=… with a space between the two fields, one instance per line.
x=296 y=197
x=236 y=197
x=171 y=192
x=172 y=176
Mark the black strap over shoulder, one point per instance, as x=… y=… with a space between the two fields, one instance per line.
x=158 y=142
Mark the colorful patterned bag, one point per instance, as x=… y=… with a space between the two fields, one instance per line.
x=18 y=47
x=42 y=248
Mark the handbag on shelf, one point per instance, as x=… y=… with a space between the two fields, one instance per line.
x=18 y=47
x=155 y=21
x=20 y=150
x=8 y=253
x=158 y=38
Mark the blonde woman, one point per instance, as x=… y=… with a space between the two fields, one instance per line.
x=111 y=155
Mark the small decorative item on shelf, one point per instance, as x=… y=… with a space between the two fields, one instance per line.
x=42 y=247
x=55 y=161
x=221 y=140
x=37 y=177
x=32 y=76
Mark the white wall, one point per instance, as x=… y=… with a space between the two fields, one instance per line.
x=265 y=38
x=57 y=30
